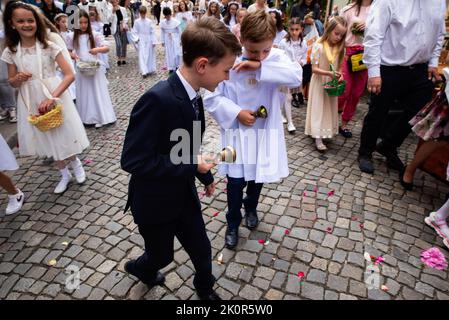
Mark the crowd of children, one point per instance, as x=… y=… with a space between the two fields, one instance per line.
x=279 y=68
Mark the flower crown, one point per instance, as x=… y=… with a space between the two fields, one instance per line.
x=275 y=10
x=235 y=2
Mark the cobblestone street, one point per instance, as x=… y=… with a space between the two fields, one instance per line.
x=319 y=221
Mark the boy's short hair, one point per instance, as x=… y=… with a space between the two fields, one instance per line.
x=143 y=9
x=257 y=27
x=166 y=11
x=210 y=38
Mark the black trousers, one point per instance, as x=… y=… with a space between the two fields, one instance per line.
x=234 y=194
x=408 y=87
x=190 y=230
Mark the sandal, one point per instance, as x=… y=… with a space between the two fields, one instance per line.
x=321 y=147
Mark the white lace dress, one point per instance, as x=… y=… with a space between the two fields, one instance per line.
x=92 y=95
x=62 y=142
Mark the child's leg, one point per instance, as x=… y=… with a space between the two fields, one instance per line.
x=66 y=177
x=443 y=212
x=437 y=220
x=252 y=195
x=288 y=107
x=7 y=184
x=78 y=169
x=234 y=194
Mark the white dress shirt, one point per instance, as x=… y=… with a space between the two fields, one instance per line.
x=404 y=33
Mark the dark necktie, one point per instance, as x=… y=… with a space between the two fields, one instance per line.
x=196 y=106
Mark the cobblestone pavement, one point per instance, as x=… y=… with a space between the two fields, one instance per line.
x=306 y=229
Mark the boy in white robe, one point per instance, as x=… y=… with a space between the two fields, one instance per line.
x=144 y=29
x=171 y=40
x=259 y=142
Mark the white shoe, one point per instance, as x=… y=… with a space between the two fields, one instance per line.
x=62 y=185
x=15 y=203
x=440 y=226
x=291 y=128
x=284 y=121
x=97 y=126
x=80 y=174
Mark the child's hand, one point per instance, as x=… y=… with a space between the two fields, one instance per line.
x=246 y=117
x=247 y=65
x=210 y=189
x=46 y=106
x=23 y=76
x=360 y=26
x=93 y=51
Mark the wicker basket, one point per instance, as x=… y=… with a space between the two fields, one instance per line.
x=334 y=88
x=49 y=120
x=88 y=68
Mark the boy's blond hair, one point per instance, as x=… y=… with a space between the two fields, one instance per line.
x=258 y=26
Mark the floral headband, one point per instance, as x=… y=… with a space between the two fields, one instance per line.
x=275 y=10
x=235 y=2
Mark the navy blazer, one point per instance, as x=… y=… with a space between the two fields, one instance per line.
x=159 y=190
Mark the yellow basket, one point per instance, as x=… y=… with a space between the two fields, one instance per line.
x=49 y=120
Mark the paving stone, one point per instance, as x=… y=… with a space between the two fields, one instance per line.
x=352 y=272
x=250 y=293
x=265 y=273
x=120 y=290
x=246 y=258
x=316 y=276
x=311 y=291
x=273 y=294
x=228 y=285
x=293 y=284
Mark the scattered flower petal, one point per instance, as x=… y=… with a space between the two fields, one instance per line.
x=88 y=161
x=65 y=243
x=305 y=194
x=434 y=258
x=367 y=256
x=384 y=288
x=220 y=258
x=354 y=218
x=267 y=242
x=52 y=262
x=331 y=193
x=216 y=213
x=315 y=190
x=362 y=226
x=301 y=274
x=287 y=231
x=329 y=230
x=261 y=241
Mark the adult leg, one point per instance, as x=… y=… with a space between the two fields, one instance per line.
x=358 y=84
x=424 y=151
x=191 y=233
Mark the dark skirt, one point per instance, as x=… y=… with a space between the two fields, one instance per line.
x=306 y=74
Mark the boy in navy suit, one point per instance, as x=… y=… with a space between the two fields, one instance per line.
x=162 y=192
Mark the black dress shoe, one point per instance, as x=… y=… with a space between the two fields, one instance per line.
x=210 y=297
x=405 y=185
x=345 y=132
x=251 y=220
x=393 y=160
x=158 y=280
x=366 y=164
x=231 y=238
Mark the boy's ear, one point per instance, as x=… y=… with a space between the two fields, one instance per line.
x=200 y=64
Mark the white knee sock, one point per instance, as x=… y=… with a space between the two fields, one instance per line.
x=76 y=163
x=65 y=173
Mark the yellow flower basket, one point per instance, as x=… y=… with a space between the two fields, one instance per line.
x=49 y=120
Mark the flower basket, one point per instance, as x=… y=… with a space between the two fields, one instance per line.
x=49 y=120
x=335 y=88
x=88 y=68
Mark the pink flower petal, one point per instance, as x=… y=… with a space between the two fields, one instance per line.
x=88 y=161
x=331 y=193
x=315 y=190
x=301 y=274
x=305 y=194
x=287 y=232
x=361 y=226
x=261 y=241
x=354 y=218
x=329 y=230
x=216 y=213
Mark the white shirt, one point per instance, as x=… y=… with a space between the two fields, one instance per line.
x=403 y=33
x=296 y=50
x=190 y=91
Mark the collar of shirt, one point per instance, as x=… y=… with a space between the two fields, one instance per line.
x=190 y=91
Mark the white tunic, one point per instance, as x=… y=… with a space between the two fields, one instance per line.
x=62 y=142
x=279 y=36
x=296 y=50
x=144 y=29
x=92 y=96
x=171 y=38
x=261 y=152
x=7 y=160
x=184 y=18
x=63 y=44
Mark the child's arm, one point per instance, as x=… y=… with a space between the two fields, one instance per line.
x=69 y=77
x=280 y=70
x=16 y=78
x=225 y=111
x=100 y=45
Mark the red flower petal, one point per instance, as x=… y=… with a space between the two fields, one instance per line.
x=305 y=194
x=362 y=226
x=261 y=241
x=87 y=161
x=216 y=213
x=301 y=274
x=287 y=232
x=315 y=190
x=330 y=193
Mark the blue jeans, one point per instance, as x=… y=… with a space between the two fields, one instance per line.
x=235 y=188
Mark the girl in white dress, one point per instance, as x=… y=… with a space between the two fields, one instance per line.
x=171 y=40
x=62 y=26
x=32 y=69
x=184 y=16
x=281 y=33
x=230 y=18
x=144 y=29
x=213 y=10
x=93 y=101
x=97 y=27
x=8 y=163
x=296 y=48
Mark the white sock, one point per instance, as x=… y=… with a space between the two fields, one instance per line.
x=65 y=173
x=75 y=163
x=443 y=212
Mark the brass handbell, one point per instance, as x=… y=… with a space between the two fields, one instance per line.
x=228 y=155
x=261 y=112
